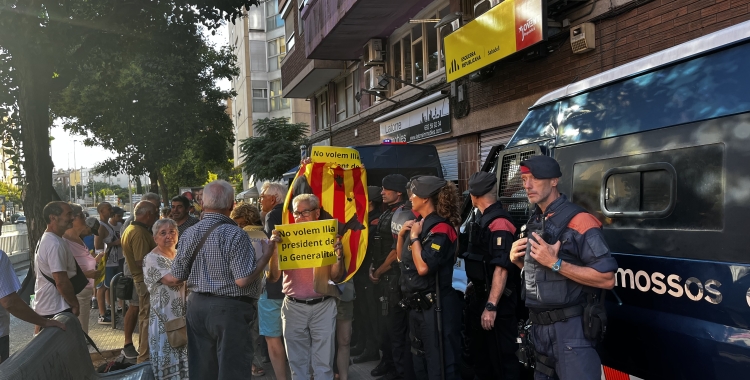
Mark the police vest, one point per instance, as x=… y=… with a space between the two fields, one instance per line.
x=411 y=280
x=544 y=288
x=384 y=238
x=478 y=255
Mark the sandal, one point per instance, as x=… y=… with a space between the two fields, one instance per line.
x=258 y=371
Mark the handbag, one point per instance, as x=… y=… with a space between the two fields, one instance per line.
x=79 y=281
x=176 y=332
x=124 y=287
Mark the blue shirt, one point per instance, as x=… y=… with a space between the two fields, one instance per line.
x=8 y=284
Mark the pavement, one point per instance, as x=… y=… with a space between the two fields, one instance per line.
x=107 y=339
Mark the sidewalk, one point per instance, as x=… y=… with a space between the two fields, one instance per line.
x=107 y=338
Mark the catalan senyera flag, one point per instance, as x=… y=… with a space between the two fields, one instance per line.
x=343 y=195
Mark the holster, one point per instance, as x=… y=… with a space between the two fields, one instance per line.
x=595 y=317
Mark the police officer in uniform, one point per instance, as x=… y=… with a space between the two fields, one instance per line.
x=566 y=264
x=366 y=304
x=435 y=307
x=386 y=275
x=492 y=306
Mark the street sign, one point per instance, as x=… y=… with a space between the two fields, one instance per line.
x=135 y=198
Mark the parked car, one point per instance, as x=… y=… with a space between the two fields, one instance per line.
x=21 y=219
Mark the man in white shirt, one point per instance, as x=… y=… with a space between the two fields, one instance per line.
x=54 y=259
x=11 y=303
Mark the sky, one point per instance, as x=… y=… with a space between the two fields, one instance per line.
x=67 y=149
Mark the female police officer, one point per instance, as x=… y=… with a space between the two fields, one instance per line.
x=427 y=271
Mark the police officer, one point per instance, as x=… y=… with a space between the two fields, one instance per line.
x=566 y=264
x=366 y=304
x=492 y=306
x=435 y=307
x=386 y=275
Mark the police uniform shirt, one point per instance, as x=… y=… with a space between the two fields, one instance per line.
x=438 y=250
x=501 y=238
x=583 y=244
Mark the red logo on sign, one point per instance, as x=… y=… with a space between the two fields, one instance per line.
x=528 y=23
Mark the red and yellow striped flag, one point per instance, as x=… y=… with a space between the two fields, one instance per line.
x=343 y=196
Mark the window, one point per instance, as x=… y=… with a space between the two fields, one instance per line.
x=276 y=52
x=255 y=18
x=273 y=18
x=260 y=95
x=642 y=190
x=289 y=30
x=277 y=101
x=346 y=104
x=418 y=53
x=321 y=111
x=302 y=5
x=257 y=55
x=341 y=100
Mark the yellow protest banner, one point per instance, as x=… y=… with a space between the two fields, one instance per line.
x=307 y=245
x=347 y=158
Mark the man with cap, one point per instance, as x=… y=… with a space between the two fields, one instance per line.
x=114 y=259
x=492 y=306
x=366 y=306
x=385 y=274
x=566 y=265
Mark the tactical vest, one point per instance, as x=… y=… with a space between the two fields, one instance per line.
x=384 y=238
x=544 y=288
x=478 y=255
x=411 y=280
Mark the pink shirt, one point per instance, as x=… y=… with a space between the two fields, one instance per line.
x=299 y=284
x=83 y=258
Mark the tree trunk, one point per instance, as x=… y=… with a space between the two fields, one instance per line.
x=33 y=104
x=153 y=180
x=138 y=185
x=163 y=187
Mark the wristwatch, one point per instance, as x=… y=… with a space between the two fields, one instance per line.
x=556 y=266
x=489 y=306
x=413 y=240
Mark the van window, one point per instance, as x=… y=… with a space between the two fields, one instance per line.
x=703 y=88
x=646 y=191
x=538 y=125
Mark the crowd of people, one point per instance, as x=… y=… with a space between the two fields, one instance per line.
x=209 y=292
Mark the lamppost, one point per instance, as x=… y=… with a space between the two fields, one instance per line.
x=75 y=169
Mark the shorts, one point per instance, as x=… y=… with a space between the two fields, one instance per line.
x=109 y=273
x=345 y=310
x=269 y=316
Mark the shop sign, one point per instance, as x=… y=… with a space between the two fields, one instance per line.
x=422 y=123
x=506 y=28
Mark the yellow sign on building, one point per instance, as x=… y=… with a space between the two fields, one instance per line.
x=508 y=27
x=75 y=178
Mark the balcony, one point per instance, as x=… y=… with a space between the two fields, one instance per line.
x=337 y=29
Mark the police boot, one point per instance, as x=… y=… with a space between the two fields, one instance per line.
x=382 y=369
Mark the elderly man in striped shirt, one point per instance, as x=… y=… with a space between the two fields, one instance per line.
x=222 y=271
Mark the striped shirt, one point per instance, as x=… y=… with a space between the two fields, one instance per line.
x=226 y=256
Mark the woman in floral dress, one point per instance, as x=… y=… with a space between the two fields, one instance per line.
x=167 y=302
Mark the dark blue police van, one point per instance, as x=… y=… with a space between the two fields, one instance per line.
x=659 y=150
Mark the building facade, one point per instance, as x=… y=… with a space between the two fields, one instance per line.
x=445 y=90
x=258 y=40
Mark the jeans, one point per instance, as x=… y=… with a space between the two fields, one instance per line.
x=220 y=344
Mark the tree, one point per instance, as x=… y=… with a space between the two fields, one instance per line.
x=274 y=150
x=43 y=44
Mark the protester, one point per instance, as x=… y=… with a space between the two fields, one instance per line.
x=180 y=213
x=168 y=303
x=10 y=302
x=247 y=217
x=269 y=305
x=220 y=274
x=308 y=313
x=344 y=317
x=137 y=241
x=112 y=255
x=55 y=261
x=428 y=271
x=83 y=226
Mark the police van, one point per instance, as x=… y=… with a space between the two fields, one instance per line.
x=659 y=151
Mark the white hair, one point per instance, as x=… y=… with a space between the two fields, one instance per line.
x=276 y=189
x=311 y=200
x=218 y=195
x=161 y=222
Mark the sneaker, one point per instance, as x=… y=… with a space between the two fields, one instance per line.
x=105 y=320
x=129 y=351
x=94 y=304
x=108 y=313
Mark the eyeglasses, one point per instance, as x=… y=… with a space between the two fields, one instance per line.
x=304 y=214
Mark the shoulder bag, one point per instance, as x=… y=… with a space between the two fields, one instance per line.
x=176 y=328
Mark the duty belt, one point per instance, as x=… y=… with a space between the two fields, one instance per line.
x=551 y=316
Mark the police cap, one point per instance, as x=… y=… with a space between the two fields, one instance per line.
x=373 y=194
x=541 y=167
x=395 y=182
x=481 y=183
x=427 y=186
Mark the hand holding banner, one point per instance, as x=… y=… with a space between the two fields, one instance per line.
x=307 y=245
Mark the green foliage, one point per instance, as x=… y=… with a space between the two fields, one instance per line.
x=274 y=150
x=12 y=193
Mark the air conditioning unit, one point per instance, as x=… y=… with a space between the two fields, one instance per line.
x=484 y=6
x=374 y=52
x=371 y=78
x=583 y=38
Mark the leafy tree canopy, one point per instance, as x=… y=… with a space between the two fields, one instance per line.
x=275 y=149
